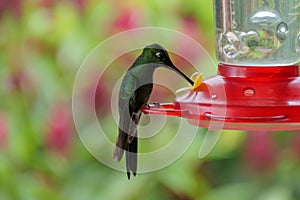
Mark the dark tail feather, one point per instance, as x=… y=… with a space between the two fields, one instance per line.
x=131 y=157
x=120 y=145
x=133 y=147
x=128 y=165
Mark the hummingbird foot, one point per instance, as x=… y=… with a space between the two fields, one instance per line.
x=147 y=105
x=157 y=104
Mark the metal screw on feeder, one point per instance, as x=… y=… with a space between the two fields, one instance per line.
x=258 y=46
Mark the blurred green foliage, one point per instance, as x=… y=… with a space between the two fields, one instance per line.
x=43 y=43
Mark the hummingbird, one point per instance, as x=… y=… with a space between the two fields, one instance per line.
x=134 y=93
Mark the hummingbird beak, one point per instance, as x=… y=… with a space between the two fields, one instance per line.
x=174 y=68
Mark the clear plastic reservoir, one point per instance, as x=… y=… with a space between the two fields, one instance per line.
x=257 y=32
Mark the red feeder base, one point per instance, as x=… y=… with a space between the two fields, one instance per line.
x=242 y=98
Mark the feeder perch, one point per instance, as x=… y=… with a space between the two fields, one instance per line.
x=258 y=85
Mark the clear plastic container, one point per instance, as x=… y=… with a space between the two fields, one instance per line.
x=257 y=32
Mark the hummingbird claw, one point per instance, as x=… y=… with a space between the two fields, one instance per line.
x=156 y=104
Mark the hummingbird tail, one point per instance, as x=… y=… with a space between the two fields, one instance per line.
x=131 y=157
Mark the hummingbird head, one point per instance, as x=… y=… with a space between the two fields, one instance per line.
x=157 y=55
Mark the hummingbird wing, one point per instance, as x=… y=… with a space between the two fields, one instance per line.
x=126 y=129
x=126 y=98
x=122 y=139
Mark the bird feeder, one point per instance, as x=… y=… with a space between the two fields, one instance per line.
x=258 y=85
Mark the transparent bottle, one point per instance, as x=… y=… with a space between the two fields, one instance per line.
x=257 y=32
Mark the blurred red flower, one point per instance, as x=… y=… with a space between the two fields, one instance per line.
x=11 y=6
x=80 y=4
x=17 y=79
x=3 y=130
x=128 y=19
x=190 y=27
x=295 y=144
x=260 y=151
x=47 y=3
x=102 y=99
x=99 y=97
x=22 y=81
x=60 y=128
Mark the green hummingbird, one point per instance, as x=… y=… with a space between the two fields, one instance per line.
x=135 y=91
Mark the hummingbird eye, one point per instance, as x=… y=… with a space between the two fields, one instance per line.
x=158 y=54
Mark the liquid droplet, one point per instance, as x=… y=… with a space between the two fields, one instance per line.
x=234 y=25
x=249 y=40
x=230 y=51
x=231 y=45
x=282 y=31
x=264 y=19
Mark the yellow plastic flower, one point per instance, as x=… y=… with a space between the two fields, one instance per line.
x=197 y=78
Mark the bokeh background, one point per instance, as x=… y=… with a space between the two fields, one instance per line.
x=42 y=45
